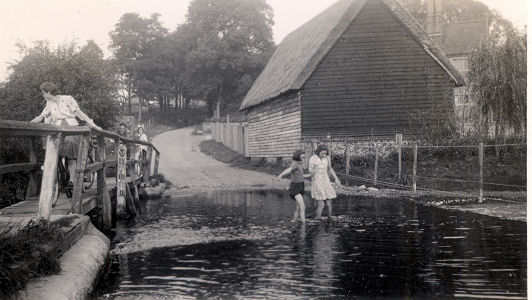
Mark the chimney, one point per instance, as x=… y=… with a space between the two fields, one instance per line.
x=435 y=21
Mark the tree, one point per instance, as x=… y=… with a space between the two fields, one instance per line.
x=130 y=41
x=229 y=42
x=498 y=81
x=78 y=71
x=155 y=73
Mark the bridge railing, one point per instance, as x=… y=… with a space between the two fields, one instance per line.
x=54 y=138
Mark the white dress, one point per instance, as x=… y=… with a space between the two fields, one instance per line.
x=321 y=188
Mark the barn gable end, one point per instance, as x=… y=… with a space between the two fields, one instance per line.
x=373 y=79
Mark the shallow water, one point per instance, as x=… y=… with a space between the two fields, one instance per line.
x=242 y=245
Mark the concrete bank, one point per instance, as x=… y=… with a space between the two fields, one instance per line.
x=81 y=266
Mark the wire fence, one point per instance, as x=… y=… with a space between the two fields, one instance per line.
x=483 y=171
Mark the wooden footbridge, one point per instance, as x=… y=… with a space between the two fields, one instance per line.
x=110 y=151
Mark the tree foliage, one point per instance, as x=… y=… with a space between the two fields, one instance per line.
x=132 y=42
x=498 y=82
x=230 y=43
x=214 y=56
x=78 y=71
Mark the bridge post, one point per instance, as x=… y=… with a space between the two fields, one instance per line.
x=156 y=165
x=32 y=184
x=147 y=167
x=53 y=143
x=104 y=201
x=81 y=162
x=121 y=177
x=130 y=201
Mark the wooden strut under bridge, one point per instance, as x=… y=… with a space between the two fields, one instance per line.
x=82 y=201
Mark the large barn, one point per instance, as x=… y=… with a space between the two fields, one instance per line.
x=358 y=69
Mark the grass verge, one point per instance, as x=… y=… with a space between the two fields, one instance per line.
x=28 y=253
x=235 y=159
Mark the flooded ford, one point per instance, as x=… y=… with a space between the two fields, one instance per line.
x=242 y=245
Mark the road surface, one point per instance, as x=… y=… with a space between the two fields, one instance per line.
x=183 y=164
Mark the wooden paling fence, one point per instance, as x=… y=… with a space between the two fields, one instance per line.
x=80 y=203
x=232 y=135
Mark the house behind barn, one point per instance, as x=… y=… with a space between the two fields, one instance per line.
x=458 y=40
x=361 y=68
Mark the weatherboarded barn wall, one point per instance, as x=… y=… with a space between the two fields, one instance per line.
x=275 y=129
x=372 y=80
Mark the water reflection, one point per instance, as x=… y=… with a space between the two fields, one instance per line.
x=375 y=248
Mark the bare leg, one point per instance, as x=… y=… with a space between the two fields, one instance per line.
x=319 y=209
x=296 y=213
x=329 y=208
x=301 y=207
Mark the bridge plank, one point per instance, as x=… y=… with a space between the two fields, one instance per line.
x=30 y=207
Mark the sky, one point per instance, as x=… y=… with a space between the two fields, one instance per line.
x=61 y=21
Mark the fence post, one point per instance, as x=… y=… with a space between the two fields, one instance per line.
x=219 y=133
x=49 y=176
x=414 y=171
x=347 y=159
x=376 y=165
x=399 y=141
x=32 y=184
x=481 y=177
x=81 y=162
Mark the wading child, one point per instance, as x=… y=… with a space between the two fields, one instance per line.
x=297 y=184
x=322 y=190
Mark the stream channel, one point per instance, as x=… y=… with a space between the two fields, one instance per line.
x=243 y=245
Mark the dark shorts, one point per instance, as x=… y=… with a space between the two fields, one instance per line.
x=295 y=189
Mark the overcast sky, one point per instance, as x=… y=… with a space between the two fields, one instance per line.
x=65 y=20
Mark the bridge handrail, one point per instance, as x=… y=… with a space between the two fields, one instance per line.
x=11 y=128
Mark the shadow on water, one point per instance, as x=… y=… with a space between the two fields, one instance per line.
x=241 y=244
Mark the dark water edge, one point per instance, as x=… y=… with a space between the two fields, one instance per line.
x=374 y=248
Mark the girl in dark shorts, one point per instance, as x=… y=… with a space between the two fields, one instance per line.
x=297 y=184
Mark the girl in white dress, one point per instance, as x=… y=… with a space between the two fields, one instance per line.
x=321 y=189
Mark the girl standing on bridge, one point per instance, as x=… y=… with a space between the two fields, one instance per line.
x=141 y=150
x=297 y=184
x=63 y=110
x=322 y=190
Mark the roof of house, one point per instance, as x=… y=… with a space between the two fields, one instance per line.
x=297 y=56
x=461 y=38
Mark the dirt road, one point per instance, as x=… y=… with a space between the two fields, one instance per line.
x=183 y=164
